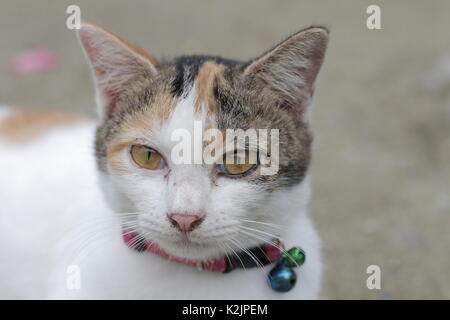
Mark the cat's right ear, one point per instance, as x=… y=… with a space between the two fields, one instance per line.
x=114 y=63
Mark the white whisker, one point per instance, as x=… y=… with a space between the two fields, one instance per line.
x=271 y=243
x=251 y=255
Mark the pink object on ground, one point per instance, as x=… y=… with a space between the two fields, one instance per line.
x=31 y=61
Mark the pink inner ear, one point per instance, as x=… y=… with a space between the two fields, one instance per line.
x=114 y=63
x=108 y=97
x=100 y=68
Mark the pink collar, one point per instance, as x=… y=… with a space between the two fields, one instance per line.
x=263 y=255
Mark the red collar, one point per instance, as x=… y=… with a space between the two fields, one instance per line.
x=252 y=257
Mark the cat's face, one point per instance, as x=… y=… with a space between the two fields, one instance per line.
x=202 y=209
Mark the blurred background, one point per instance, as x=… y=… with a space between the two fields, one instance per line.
x=381 y=167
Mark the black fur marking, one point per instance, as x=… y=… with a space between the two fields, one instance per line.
x=187 y=69
x=178 y=82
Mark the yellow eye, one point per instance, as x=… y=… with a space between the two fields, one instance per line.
x=146 y=157
x=239 y=164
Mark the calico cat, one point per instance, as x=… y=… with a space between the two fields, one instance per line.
x=101 y=210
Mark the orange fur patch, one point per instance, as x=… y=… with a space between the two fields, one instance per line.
x=114 y=157
x=162 y=107
x=140 y=124
x=27 y=125
x=207 y=74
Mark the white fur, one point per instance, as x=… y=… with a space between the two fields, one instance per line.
x=53 y=215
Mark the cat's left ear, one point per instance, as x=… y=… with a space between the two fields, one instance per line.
x=114 y=63
x=289 y=70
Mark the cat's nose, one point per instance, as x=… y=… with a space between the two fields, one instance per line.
x=185 y=222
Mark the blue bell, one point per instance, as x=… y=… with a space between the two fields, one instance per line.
x=282 y=278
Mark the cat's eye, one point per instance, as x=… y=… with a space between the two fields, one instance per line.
x=146 y=157
x=239 y=163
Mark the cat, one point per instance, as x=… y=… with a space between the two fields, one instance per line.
x=72 y=189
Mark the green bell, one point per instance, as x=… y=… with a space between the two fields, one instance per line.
x=294 y=257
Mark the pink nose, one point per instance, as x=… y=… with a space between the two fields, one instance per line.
x=185 y=222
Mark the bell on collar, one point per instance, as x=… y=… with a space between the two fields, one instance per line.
x=282 y=277
x=294 y=257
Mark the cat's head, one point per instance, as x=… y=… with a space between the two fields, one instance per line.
x=203 y=209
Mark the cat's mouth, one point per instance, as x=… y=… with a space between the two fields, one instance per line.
x=186 y=247
x=182 y=239
x=185 y=241
x=198 y=244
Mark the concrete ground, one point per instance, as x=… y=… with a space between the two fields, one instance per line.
x=381 y=167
